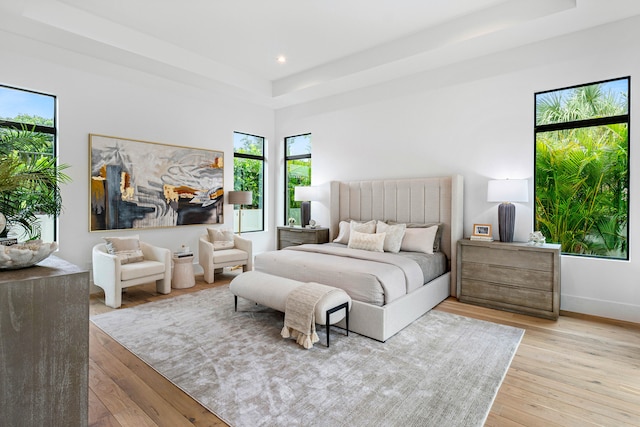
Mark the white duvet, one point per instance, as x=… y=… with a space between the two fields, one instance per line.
x=372 y=277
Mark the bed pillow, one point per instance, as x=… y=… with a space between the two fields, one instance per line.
x=436 y=241
x=343 y=233
x=394 y=235
x=368 y=227
x=419 y=239
x=345 y=228
x=127 y=249
x=368 y=241
x=221 y=238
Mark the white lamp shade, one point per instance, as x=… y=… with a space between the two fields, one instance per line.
x=240 y=197
x=508 y=190
x=305 y=194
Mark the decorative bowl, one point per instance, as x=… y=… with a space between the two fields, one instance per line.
x=25 y=255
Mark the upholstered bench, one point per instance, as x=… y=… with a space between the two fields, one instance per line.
x=272 y=291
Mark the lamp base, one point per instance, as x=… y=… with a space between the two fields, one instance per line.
x=305 y=213
x=506 y=221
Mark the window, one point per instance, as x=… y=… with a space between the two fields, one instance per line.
x=297 y=172
x=28 y=132
x=248 y=175
x=582 y=168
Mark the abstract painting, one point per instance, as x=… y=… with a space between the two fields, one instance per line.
x=138 y=184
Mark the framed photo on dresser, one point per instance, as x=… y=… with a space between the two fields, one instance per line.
x=481 y=230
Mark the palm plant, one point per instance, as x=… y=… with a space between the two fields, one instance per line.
x=29 y=180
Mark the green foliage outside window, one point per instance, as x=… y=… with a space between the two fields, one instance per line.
x=29 y=173
x=30 y=120
x=582 y=168
x=247 y=172
x=298 y=172
x=248 y=175
x=29 y=179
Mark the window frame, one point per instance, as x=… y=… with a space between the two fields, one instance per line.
x=288 y=158
x=36 y=128
x=579 y=124
x=262 y=159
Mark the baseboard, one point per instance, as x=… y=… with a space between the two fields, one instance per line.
x=600 y=308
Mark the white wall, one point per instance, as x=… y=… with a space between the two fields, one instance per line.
x=96 y=97
x=476 y=119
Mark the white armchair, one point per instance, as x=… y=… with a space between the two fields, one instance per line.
x=112 y=275
x=212 y=259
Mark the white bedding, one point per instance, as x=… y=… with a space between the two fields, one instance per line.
x=372 y=277
x=410 y=201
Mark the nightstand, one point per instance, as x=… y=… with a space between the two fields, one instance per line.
x=515 y=277
x=294 y=236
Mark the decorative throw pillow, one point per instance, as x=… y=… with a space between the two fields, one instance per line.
x=127 y=249
x=367 y=241
x=221 y=238
x=438 y=238
x=394 y=235
x=345 y=228
x=364 y=227
x=419 y=239
x=343 y=233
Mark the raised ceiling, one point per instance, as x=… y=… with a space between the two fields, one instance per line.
x=331 y=46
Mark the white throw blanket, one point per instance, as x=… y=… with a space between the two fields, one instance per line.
x=299 y=314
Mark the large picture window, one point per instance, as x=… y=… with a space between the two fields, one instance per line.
x=248 y=175
x=297 y=172
x=582 y=168
x=28 y=147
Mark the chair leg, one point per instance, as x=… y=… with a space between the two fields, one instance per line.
x=113 y=297
x=209 y=274
x=163 y=286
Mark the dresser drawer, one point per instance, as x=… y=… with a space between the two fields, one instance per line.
x=501 y=275
x=288 y=236
x=297 y=237
x=517 y=297
x=511 y=257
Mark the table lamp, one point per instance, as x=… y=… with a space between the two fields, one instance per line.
x=507 y=191
x=305 y=195
x=240 y=198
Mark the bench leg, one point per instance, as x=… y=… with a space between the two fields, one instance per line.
x=333 y=310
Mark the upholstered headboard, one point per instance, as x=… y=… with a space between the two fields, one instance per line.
x=420 y=200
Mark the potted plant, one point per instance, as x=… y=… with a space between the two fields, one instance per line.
x=29 y=180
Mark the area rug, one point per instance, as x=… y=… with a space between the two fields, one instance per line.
x=442 y=370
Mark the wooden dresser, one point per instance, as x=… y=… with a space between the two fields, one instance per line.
x=515 y=277
x=293 y=236
x=44 y=328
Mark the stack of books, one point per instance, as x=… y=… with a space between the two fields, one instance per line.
x=183 y=254
x=483 y=238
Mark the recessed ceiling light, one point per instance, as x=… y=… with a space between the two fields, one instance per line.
x=281 y=59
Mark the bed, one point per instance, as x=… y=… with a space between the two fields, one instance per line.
x=388 y=289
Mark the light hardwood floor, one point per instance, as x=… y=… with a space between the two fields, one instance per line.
x=577 y=371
